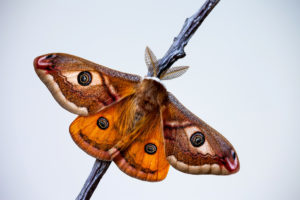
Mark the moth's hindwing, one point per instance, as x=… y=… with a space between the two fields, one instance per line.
x=139 y=152
x=97 y=134
x=145 y=157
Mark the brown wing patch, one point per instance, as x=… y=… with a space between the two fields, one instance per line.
x=194 y=147
x=60 y=73
x=136 y=162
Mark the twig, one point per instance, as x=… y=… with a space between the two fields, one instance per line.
x=94 y=178
x=175 y=52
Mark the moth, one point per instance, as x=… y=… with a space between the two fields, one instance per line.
x=134 y=121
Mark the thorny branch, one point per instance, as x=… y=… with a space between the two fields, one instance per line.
x=175 y=52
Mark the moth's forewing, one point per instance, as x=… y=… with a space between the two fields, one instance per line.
x=192 y=146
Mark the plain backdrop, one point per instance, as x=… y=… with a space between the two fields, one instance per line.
x=244 y=80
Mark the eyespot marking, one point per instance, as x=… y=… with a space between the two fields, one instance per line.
x=102 y=123
x=150 y=148
x=84 y=78
x=197 y=139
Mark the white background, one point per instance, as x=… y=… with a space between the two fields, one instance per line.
x=243 y=80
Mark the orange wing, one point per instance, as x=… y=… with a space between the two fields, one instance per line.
x=118 y=133
x=98 y=133
x=80 y=86
x=145 y=158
